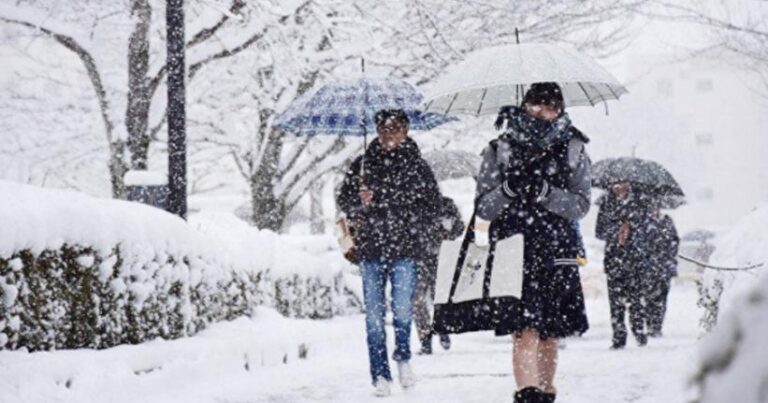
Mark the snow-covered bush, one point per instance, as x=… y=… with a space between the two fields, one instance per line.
x=74 y=297
x=306 y=275
x=77 y=271
x=709 y=300
x=314 y=298
x=734 y=362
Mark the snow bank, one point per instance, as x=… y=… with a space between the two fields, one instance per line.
x=745 y=245
x=77 y=271
x=734 y=359
x=245 y=347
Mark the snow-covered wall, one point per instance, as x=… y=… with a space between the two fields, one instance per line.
x=78 y=271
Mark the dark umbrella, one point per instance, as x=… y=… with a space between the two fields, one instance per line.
x=648 y=176
x=700 y=235
x=453 y=164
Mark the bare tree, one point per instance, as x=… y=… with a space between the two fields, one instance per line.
x=429 y=35
x=738 y=29
x=205 y=45
x=247 y=60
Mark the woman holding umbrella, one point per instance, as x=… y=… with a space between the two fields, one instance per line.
x=535 y=181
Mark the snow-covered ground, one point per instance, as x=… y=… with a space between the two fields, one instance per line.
x=257 y=360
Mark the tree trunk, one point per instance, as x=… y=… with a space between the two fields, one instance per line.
x=137 y=111
x=269 y=210
x=117 y=168
x=316 y=219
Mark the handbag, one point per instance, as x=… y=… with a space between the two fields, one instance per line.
x=346 y=240
x=477 y=287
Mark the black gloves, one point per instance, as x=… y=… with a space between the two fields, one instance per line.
x=526 y=184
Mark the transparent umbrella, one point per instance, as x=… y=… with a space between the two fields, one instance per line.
x=498 y=76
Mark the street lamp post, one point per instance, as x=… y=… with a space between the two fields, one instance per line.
x=177 y=152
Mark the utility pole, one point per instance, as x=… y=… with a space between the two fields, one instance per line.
x=177 y=147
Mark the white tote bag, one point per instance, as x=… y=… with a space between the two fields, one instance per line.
x=506 y=271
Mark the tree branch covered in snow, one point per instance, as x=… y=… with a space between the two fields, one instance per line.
x=248 y=60
x=737 y=28
x=116 y=166
x=429 y=35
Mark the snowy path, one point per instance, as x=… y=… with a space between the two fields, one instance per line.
x=211 y=368
x=478 y=368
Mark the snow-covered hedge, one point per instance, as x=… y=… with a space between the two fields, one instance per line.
x=76 y=296
x=77 y=271
x=734 y=362
x=306 y=275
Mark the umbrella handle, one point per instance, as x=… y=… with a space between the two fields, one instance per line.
x=365 y=150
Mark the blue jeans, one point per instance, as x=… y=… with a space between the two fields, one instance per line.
x=402 y=274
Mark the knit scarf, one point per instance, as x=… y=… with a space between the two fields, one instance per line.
x=538 y=133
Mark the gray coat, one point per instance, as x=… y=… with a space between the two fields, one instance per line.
x=572 y=202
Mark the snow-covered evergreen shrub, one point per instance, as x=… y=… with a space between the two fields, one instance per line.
x=709 y=299
x=82 y=272
x=314 y=297
x=74 y=297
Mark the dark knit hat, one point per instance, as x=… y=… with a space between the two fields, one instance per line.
x=398 y=115
x=545 y=94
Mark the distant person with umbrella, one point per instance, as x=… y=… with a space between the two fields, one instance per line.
x=630 y=223
x=623 y=223
x=393 y=202
x=665 y=244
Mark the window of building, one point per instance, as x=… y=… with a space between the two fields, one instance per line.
x=704 y=85
x=664 y=87
x=704 y=139
x=705 y=194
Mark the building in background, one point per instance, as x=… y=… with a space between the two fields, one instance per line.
x=706 y=121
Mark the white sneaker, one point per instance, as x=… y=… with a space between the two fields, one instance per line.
x=405 y=375
x=382 y=388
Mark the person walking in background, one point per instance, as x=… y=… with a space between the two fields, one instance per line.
x=623 y=222
x=664 y=249
x=391 y=196
x=448 y=225
x=535 y=180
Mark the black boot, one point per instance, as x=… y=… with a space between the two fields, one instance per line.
x=426 y=346
x=642 y=339
x=445 y=341
x=530 y=394
x=617 y=345
x=547 y=397
x=618 y=342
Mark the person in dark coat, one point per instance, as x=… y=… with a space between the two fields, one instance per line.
x=535 y=180
x=390 y=195
x=625 y=223
x=664 y=249
x=447 y=226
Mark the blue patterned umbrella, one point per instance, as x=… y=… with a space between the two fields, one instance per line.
x=348 y=107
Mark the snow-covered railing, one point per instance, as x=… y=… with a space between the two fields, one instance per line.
x=77 y=271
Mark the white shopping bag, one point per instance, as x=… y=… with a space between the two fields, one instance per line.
x=446 y=266
x=506 y=277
